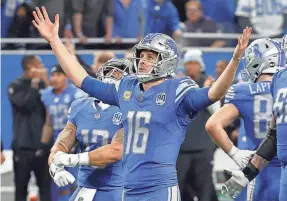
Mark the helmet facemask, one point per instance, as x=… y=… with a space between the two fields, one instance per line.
x=113 y=71
x=263 y=56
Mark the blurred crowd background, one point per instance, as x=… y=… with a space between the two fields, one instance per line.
x=132 y=19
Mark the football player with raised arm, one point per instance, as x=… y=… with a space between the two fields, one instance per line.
x=156 y=107
x=274 y=143
x=252 y=101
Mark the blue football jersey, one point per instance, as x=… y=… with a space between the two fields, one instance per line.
x=96 y=126
x=58 y=104
x=155 y=124
x=279 y=93
x=254 y=103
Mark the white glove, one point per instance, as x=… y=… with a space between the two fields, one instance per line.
x=70 y=160
x=235 y=184
x=60 y=176
x=240 y=157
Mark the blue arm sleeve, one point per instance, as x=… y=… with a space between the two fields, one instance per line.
x=194 y=101
x=197 y=99
x=105 y=92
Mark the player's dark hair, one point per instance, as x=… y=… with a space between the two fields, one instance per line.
x=27 y=60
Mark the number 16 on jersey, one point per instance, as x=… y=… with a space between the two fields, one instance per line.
x=138 y=134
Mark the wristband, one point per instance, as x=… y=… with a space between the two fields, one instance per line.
x=233 y=150
x=84 y=158
x=250 y=171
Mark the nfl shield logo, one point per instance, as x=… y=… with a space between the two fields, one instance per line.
x=160 y=98
x=117 y=118
x=97 y=115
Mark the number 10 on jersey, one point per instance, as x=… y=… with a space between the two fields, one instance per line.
x=137 y=137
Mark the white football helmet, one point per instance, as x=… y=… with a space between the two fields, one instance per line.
x=107 y=72
x=262 y=56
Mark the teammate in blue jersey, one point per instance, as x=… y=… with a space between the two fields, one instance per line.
x=156 y=108
x=57 y=99
x=253 y=102
x=274 y=143
x=94 y=125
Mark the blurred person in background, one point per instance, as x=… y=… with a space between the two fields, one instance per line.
x=130 y=11
x=22 y=21
x=161 y=16
x=8 y=9
x=20 y=26
x=100 y=58
x=63 y=8
x=179 y=4
x=87 y=15
x=71 y=49
x=57 y=100
x=220 y=67
x=268 y=18
x=198 y=23
x=129 y=54
x=194 y=164
x=28 y=121
x=180 y=71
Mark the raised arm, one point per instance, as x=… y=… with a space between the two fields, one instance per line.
x=95 y=88
x=222 y=84
x=49 y=31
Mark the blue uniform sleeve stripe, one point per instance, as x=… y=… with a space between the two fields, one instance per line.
x=231 y=90
x=185 y=80
x=183 y=92
x=183 y=85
